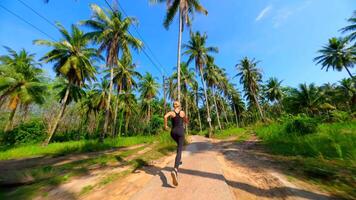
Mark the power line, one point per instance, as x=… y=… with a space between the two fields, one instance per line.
x=146 y=44
x=37 y=13
x=27 y=22
x=140 y=36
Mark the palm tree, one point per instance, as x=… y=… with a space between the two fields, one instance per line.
x=110 y=31
x=306 y=98
x=124 y=76
x=347 y=89
x=273 y=90
x=236 y=102
x=337 y=55
x=196 y=50
x=351 y=28
x=129 y=106
x=185 y=8
x=250 y=77
x=73 y=60
x=195 y=88
x=21 y=81
x=213 y=78
x=148 y=87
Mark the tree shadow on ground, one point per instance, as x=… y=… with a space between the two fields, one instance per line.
x=278 y=192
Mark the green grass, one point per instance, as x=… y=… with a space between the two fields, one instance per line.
x=49 y=176
x=326 y=158
x=223 y=134
x=332 y=141
x=64 y=148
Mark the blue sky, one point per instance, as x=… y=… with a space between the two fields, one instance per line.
x=283 y=34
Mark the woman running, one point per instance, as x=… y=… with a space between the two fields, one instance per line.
x=177 y=133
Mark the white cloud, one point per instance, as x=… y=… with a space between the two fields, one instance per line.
x=263 y=13
x=283 y=14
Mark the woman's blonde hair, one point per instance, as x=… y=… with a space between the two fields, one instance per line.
x=176 y=104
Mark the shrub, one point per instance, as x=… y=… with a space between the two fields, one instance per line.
x=154 y=125
x=301 y=125
x=339 y=116
x=26 y=133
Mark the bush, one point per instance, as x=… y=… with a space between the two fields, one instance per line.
x=339 y=116
x=154 y=125
x=301 y=125
x=26 y=133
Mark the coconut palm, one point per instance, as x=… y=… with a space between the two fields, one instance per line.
x=124 y=76
x=128 y=105
x=212 y=75
x=21 y=81
x=273 y=90
x=185 y=9
x=351 y=28
x=73 y=60
x=347 y=90
x=250 y=78
x=195 y=88
x=148 y=87
x=110 y=31
x=307 y=98
x=236 y=103
x=337 y=55
x=197 y=51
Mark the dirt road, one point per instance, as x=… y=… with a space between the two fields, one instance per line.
x=220 y=170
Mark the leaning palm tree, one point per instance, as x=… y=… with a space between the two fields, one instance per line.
x=338 y=55
x=250 y=78
x=351 y=28
x=21 y=81
x=124 y=76
x=197 y=51
x=185 y=8
x=110 y=31
x=148 y=87
x=73 y=60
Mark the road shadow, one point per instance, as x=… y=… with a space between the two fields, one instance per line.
x=152 y=170
x=277 y=192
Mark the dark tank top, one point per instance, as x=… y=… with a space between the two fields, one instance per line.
x=177 y=121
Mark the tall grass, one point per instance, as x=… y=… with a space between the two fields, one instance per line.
x=331 y=141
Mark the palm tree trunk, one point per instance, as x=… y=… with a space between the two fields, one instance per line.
x=206 y=101
x=179 y=51
x=114 y=130
x=107 y=111
x=237 y=121
x=216 y=108
x=225 y=113
x=164 y=96
x=259 y=108
x=59 y=116
x=186 y=114
x=149 y=112
x=199 y=120
x=126 y=124
x=120 y=122
x=8 y=126
x=348 y=71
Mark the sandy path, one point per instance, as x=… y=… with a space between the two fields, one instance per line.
x=211 y=170
x=200 y=177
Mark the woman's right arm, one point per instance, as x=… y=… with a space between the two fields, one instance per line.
x=166 y=120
